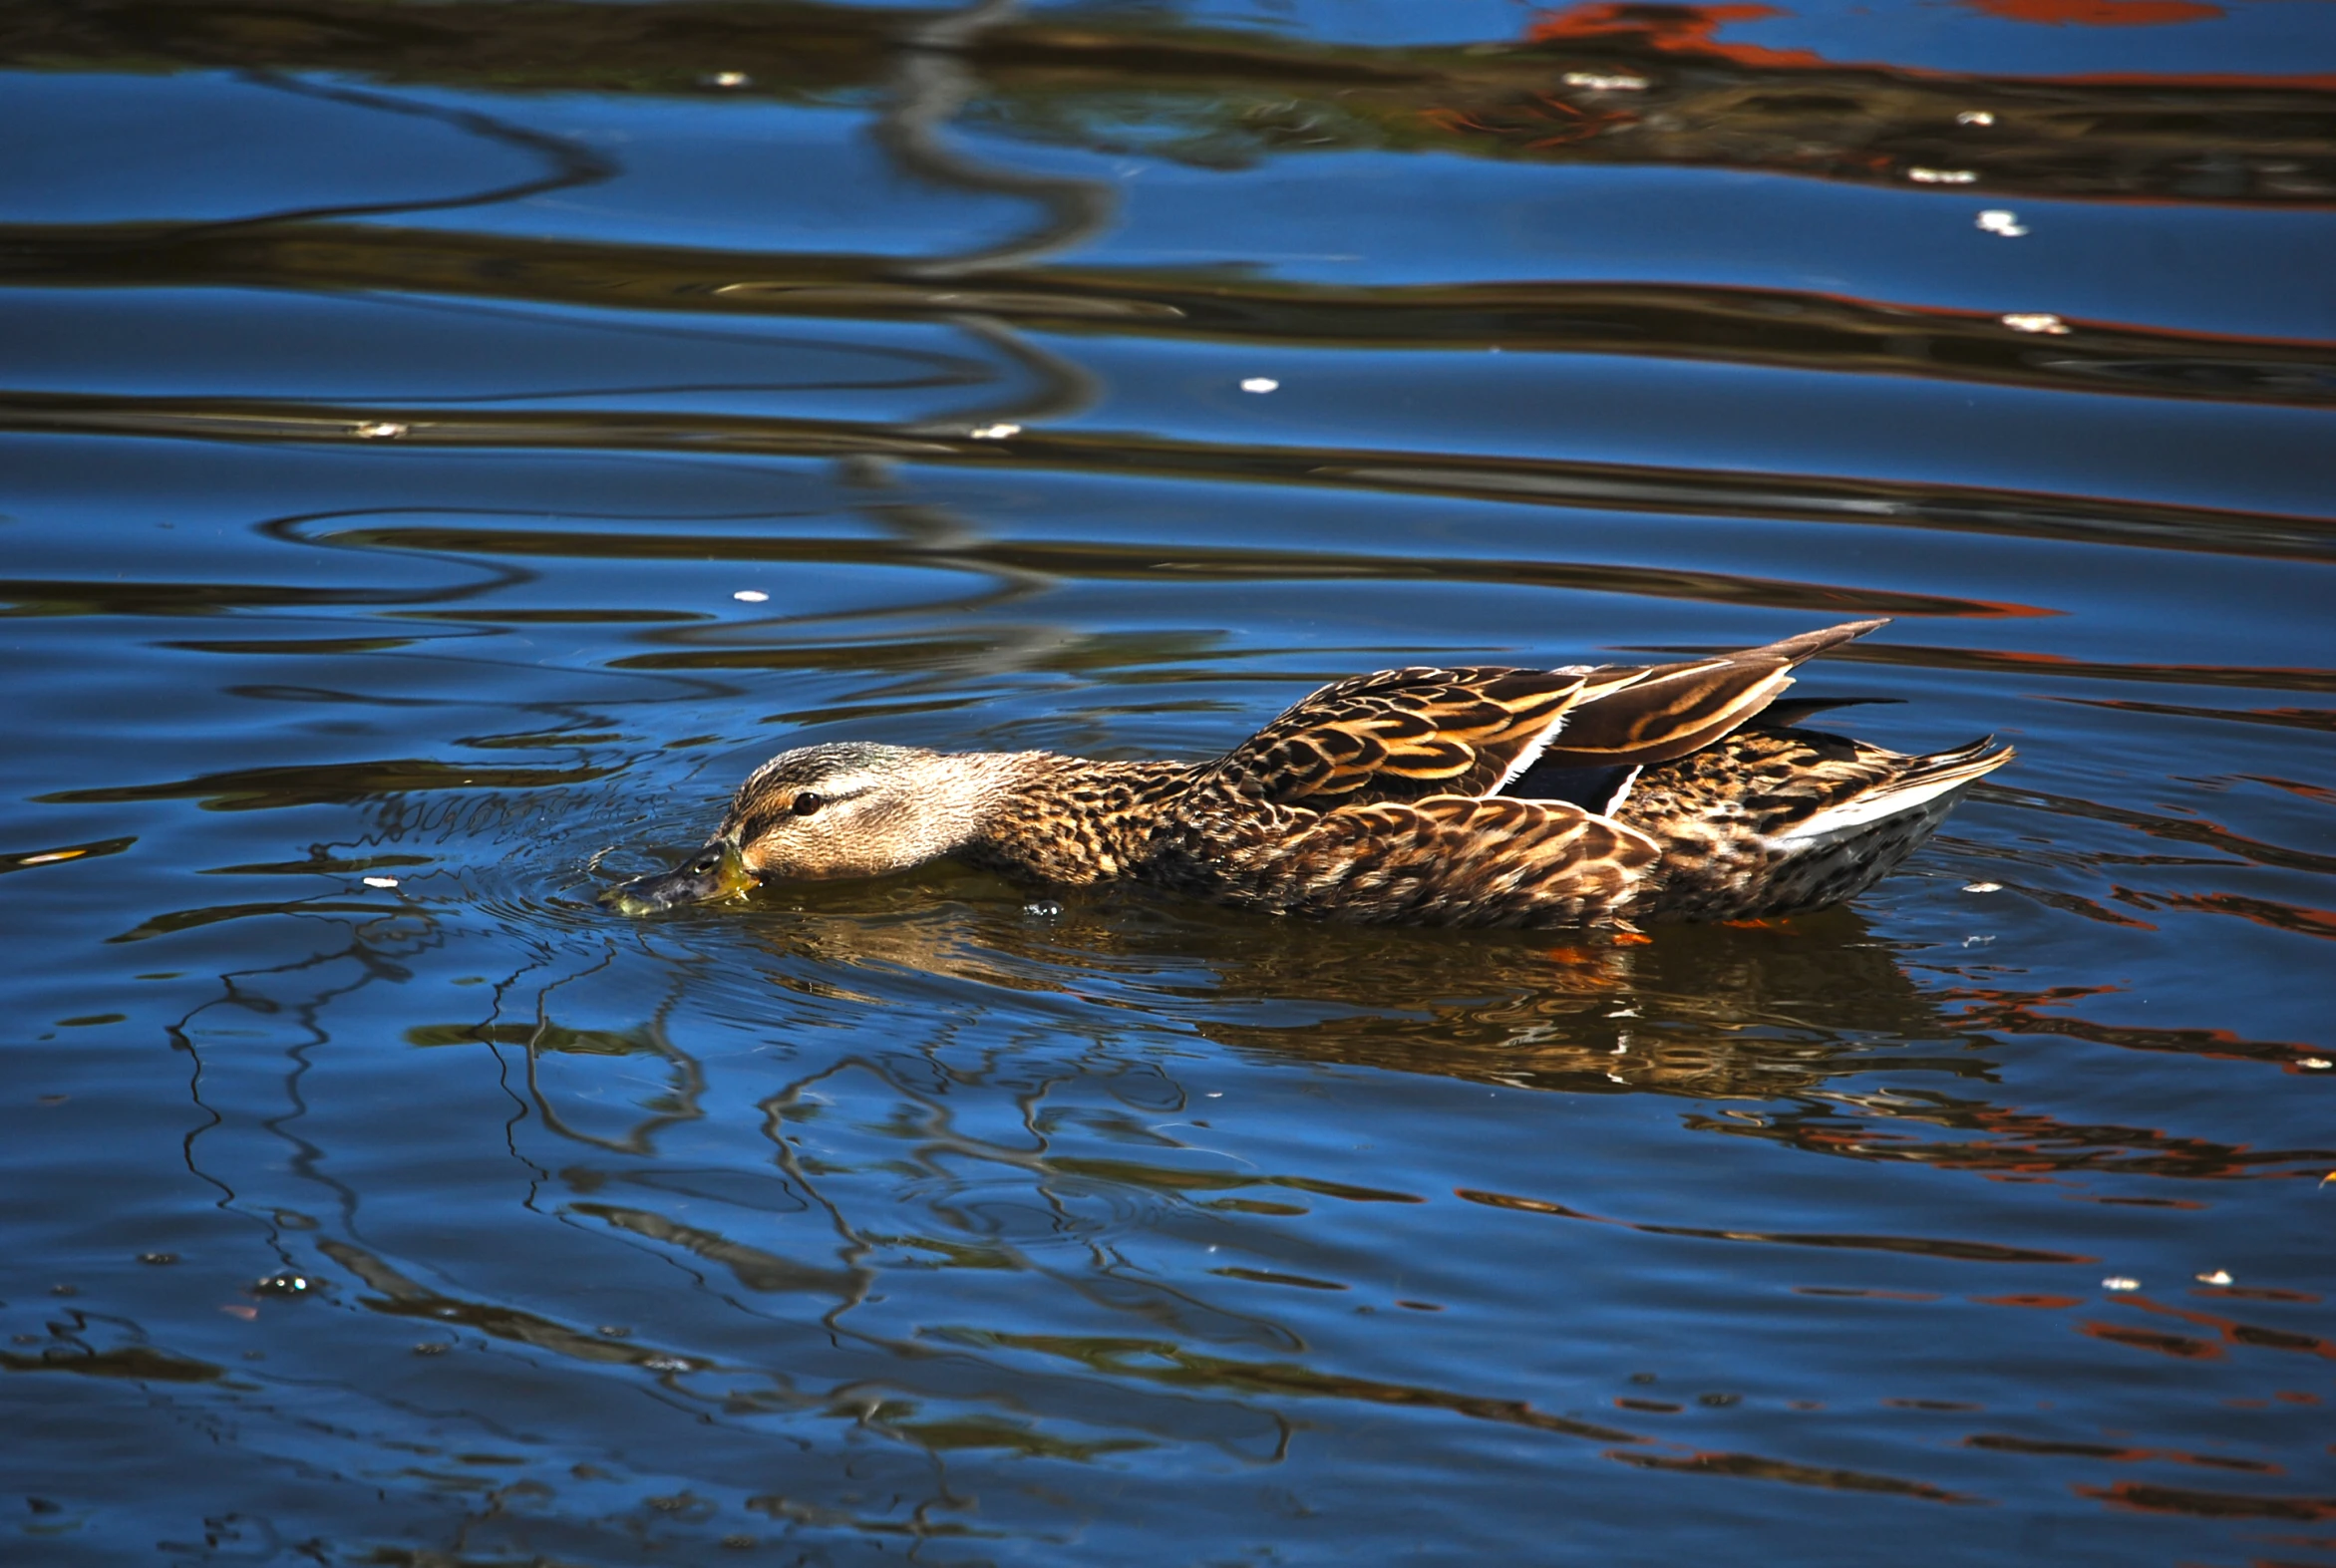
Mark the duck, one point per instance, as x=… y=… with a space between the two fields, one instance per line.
x=1583 y=796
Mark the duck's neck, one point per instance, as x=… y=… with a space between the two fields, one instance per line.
x=1063 y=819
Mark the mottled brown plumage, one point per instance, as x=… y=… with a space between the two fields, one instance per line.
x=1483 y=797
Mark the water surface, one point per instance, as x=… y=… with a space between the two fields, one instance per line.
x=398 y=401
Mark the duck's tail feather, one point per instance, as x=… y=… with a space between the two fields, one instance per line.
x=1927 y=786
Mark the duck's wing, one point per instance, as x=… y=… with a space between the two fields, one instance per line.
x=1401 y=734
x=1460 y=861
x=1630 y=717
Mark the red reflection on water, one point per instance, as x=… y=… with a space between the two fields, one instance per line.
x=2298 y=918
x=2259 y=1293
x=1688 y=30
x=1753 y=1467
x=2099 y=13
x=2029 y=1301
x=2115 y=1453
x=1672 y=29
x=2208 y=1506
x=2235 y=1332
x=2183 y=1347
x=2013 y=1012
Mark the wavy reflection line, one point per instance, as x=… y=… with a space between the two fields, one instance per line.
x=1753 y=1467
x=2007 y=1011
x=1166 y=1361
x=1920 y=1246
x=1026 y=564
x=687 y=1089
x=2144 y=1498
x=1600 y=486
x=1770 y=328
x=574 y=163
x=2014 y=1141
x=930 y=83
x=2114 y=1454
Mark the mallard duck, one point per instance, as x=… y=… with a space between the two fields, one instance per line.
x=1481 y=797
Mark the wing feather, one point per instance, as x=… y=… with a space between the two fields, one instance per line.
x=1460 y=861
x=1632 y=717
x=1401 y=735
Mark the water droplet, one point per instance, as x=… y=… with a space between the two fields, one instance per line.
x=379 y=430
x=750 y=596
x=381 y=881
x=2121 y=1282
x=286 y=1284
x=997 y=432
x=1982 y=887
x=1260 y=384
x=1996 y=220
x=2219 y=1277
x=2041 y=321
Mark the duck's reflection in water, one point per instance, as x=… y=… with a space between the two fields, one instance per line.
x=1786 y=1014
x=1762 y=1011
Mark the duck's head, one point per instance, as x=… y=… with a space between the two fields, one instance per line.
x=842 y=810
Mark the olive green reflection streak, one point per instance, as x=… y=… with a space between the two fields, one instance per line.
x=325 y=783
x=761 y=1271
x=1753 y=1467
x=1118 y=1357
x=1776 y=328
x=1021 y=561
x=1918 y=1246
x=401 y=1296
x=1602 y=486
x=131 y=1363
x=1241 y=97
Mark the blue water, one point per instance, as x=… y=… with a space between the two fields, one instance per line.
x=398 y=397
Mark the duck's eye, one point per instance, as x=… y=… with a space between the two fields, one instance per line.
x=704 y=863
x=808 y=802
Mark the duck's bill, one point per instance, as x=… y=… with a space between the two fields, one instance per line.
x=716 y=872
